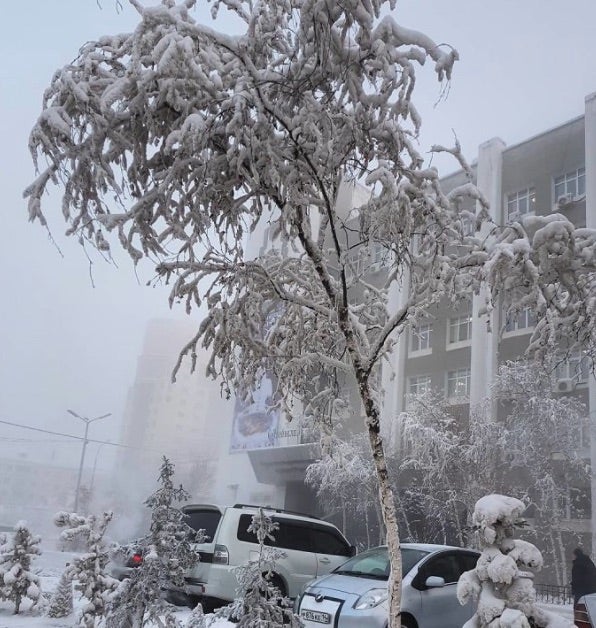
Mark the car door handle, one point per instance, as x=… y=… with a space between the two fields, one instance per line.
x=324 y=560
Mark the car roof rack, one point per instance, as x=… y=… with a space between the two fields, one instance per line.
x=279 y=510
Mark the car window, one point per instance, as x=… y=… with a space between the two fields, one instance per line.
x=445 y=566
x=466 y=561
x=289 y=535
x=329 y=542
x=206 y=520
x=375 y=562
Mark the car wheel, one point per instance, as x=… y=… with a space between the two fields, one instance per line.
x=408 y=622
x=278 y=583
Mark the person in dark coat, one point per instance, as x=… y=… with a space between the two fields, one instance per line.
x=583 y=575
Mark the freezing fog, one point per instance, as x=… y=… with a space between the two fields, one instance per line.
x=83 y=337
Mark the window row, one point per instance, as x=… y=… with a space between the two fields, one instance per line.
x=567 y=188
x=457 y=384
x=459 y=331
x=573 y=369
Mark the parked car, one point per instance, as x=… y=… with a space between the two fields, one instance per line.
x=355 y=594
x=312 y=548
x=125 y=558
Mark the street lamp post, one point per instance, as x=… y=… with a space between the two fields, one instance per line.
x=87 y=422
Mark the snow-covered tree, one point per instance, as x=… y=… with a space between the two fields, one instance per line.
x=196 y=618
x=259 y=602
x=439 y=477
x=167 y=556
x=61 y=602
x=344 y=480
x=17 y=580
x=500 y=582
x=88 y=571
x=181 y=139
x=541 y=441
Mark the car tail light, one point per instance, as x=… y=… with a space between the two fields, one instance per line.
x=580 y=614
x=136 y=559
x=220 y=555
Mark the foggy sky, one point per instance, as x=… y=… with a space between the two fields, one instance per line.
x=525 y=66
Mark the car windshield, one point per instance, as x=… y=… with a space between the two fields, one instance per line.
x=375 y=563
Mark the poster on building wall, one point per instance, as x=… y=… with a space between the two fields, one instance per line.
x=255 y=424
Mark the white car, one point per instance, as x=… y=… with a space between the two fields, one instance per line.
x=355 y=594
x=311 y=547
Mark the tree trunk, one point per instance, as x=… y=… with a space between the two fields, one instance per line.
x=387 y=501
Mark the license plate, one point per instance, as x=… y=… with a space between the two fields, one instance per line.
x=316 y=616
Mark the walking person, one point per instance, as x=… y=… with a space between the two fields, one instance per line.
x=583 y=575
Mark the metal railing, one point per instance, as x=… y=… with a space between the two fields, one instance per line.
x=553 y=594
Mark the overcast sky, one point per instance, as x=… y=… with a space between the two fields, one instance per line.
x=526 y=65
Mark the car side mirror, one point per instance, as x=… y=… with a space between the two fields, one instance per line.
x=434 y=582
x=352 y=550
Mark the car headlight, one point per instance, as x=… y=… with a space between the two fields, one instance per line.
x=370 y=599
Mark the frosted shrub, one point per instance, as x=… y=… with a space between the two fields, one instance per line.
x=167 y=555
x=61 y=603
x=500 y=583
x=259 y=602
x=88 y=570
x=17 y=580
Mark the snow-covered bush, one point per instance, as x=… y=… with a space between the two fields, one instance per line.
x=259 y=602
x=88 y=570
x=197 y=618
x=167 y=555
x=500 y=582
x=18 y=582
x=61 y=602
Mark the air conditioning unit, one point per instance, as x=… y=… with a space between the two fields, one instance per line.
x=564 y=200
x=564 y=385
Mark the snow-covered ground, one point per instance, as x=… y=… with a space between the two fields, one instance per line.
x=49 y=567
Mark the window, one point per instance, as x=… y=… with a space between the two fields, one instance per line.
x=380 y=256
x=419 y=384
x=570 y=185
x=458 y=383
x=206 y=520
x=420 y=338
x=460 y=329
x=445 y=566
x=521 y=203
x=575 y=367
x=329 y=542
x=365 y=259
x=524 y=319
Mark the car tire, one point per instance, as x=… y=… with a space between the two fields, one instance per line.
x=408 y=622
x=278 y=583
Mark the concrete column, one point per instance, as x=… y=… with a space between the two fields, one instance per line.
x=393 y=377
x=485 y=332
x=590 y=138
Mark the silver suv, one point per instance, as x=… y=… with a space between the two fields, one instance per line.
x=311 y=547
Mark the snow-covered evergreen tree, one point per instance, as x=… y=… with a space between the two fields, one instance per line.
x=88 y=570
x=168 y=555
x=500 y=583
x=179 y=139
x=259 y=602
x=18 y=582
x=61 y=602
x=196 y=618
